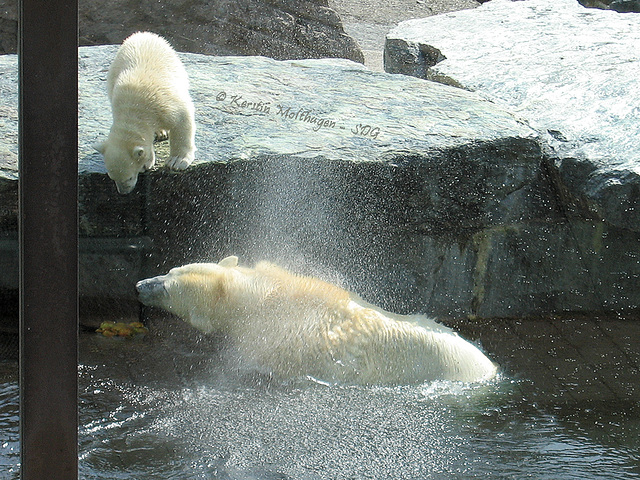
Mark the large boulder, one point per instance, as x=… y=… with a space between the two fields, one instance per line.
x=282 y=29
x=570 y=72
x=417 y=195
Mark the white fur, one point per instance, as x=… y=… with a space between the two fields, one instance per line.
x=296 y=326
x=149 y=92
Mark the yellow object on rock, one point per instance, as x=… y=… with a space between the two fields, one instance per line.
x=121 y=329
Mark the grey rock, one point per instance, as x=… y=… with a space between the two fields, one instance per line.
x=368 y=21
x=625 y=6
x=622 y=6
x=603 y=4
x=417 y=195
x=282 y=29
x=570 y=72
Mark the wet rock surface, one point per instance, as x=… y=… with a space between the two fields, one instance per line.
x=282 y=29
x=570 y=72
x=417 y=195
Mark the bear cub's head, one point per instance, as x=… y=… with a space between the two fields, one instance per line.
x=124 y=161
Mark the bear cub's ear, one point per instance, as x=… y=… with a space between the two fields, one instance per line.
x=138 y=152
x=231 y=261
x=100 y=146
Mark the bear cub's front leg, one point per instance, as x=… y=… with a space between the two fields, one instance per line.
x=182 y=142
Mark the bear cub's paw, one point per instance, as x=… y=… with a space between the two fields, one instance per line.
x=180 y=163
x=161 y=136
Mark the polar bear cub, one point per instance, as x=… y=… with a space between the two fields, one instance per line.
x=296 y=326
x=149 y=92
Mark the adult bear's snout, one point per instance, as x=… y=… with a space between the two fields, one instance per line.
x=151 y=290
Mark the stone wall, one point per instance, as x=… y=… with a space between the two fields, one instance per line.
x=282 y=29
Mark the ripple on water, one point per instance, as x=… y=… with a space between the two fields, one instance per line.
x=314 y=431
x=9 y=428
x=307 y=430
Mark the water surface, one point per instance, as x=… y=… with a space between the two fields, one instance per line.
x=141 y=421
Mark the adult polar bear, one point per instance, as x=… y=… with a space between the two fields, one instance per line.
x=298 y=326
x=149 y=92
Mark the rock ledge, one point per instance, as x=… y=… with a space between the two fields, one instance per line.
x=416 y=195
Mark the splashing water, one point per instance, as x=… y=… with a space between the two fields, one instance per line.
x=210 y=426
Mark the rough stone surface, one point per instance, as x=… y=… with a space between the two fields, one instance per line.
x=282 y=29
x=417 y=195
x=571 y=72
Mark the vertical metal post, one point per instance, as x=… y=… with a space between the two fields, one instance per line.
x=48 y=126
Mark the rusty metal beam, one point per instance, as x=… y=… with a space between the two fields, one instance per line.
x=48 y=226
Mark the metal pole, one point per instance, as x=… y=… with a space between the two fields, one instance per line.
x=48 y=226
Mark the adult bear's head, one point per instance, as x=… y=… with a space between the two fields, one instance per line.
x=200 y=293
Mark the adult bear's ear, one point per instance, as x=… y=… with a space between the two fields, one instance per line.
x=100 y=146
x=231 y=261
x=138 y=152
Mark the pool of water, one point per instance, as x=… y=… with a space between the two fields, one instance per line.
x=148 y=414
